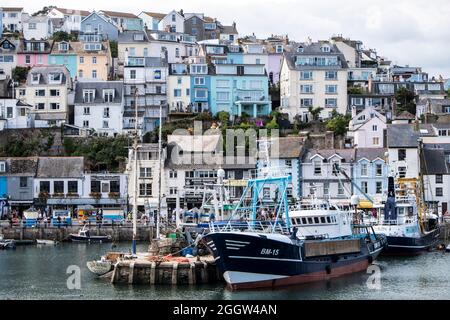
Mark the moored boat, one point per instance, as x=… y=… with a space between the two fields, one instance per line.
x=46 y=242
x=313 y=241
x=84 y=235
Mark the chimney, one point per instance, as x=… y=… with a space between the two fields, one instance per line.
x=234 y=25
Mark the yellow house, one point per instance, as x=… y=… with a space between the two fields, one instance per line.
x=94 y=61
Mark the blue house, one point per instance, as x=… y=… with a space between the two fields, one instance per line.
x=97 y=23
x=200 y=87
x=370 y=172
x=124 y=21
x=240 y=88
x=65 y=53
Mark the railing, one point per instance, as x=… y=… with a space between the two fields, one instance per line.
x=250 y=225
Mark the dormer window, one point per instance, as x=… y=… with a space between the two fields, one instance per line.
x=55 y=78
x=325 y=49
x=300 y=49
x=88 y=95
x=108 y=95
x=279 y=49
x=138 y=37
x=35 y=77
x=63 y=46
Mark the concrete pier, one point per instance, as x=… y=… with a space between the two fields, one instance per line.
x=144 y=271
x=117 y=232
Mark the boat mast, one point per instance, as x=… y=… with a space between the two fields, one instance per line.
x=135 y=147
x=159 y=172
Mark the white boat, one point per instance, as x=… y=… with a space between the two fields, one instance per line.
x=46 y=242
x=100 y=267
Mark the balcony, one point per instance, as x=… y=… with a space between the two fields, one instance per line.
x=251 y=96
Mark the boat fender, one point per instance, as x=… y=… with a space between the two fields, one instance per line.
x=328 y=269
x=370 y=259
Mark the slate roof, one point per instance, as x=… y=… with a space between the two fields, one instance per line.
x=370 y=153
x=405 y=115
x=11 y=9
x=120 y=14
x=156 y=15
x=229 y=30
x=315 y=50
x=128 y=36
x=36 y=19
x=44 y=71
x=348 y=155
x=402 y=136
x=99 y=86
x=434 y=162
x=47 y=47
x=20 y=166
x=288 y=147
x=188 y=143
x=60 y=167
x=82 y=13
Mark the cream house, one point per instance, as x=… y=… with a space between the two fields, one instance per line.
x=46 y=90
x=314 y=75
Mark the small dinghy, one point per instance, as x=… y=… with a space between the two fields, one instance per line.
x=7 y=244
x=100 y=267
x=46 y=242
x=84 y=235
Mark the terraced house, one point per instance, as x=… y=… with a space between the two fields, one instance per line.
x=34 y=52
x=314 y=75
x=8 y=56
x=46 y=90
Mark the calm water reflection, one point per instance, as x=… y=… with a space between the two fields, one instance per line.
x=39 y=272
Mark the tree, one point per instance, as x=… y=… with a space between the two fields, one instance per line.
x=114 y=49
x=273 y=124
x=20 y=74
x=406 y=101
x=108 y=152
x=44 y=11
x=315 y=112
x=223 y=117
x=338 y=123
x=63 y=36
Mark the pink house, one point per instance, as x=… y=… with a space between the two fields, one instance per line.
x=33 y=53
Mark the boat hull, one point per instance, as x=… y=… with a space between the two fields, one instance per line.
x=412 y=245
x=251 y=261
x=77 y=238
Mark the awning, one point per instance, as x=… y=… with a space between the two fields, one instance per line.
x=365 y=205
x=80 y=201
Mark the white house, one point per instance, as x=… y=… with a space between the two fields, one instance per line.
x=99 y=106
x=148 y=181
x=14 y=114
x=403 y=150
x=146 y=78
x=229 y=33
x=367 y=128
x=436 y=172
x=8 y=56
x=60 y=178
x=37 y=28
x=151 y=19
x=314 y=75
x=71 y=18
x=172 y=22
x=178 y=88
x=319 y=178
x=12 y=18
x=46 y=90
x=105 y=190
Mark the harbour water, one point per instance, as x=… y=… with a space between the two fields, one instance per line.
x=40 y=272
